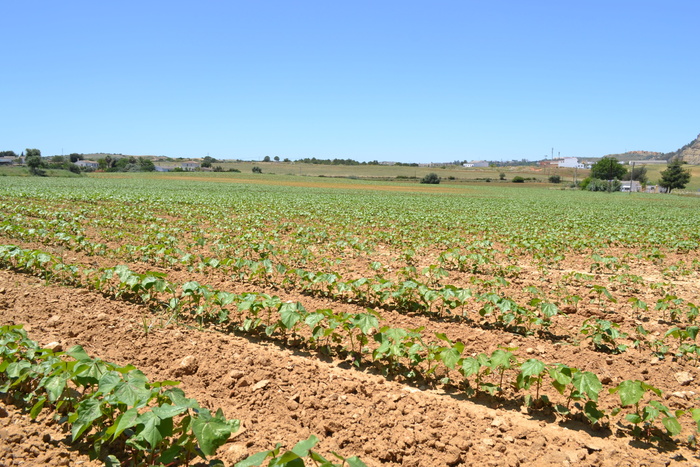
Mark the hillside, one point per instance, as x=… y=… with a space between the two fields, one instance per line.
x=637 y=156
x=690 y=153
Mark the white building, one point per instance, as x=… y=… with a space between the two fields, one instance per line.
x=87 y=164
x=190 y=165
x=570 y=162
x=476 y=164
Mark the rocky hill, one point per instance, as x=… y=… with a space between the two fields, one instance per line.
x=690 y=153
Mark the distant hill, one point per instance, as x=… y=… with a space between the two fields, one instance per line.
x=689 y=153
x=638 y=156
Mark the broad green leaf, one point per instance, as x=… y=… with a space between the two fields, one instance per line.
x=78 y=353
x=133 y=391
x=588 y=383
x=88 y=411
x=254 y=460
x=124 y=421
x=532 y=367
x=672 y=425
x=470 y=366
x=212 y=433
x=630 y=391
x=302 y=448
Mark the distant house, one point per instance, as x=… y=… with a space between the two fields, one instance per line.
x=570 y=162
x=87 y=164
x=190 y=165
x=162 y=169
x=633 y=186
x=476 y=164
x=7 y=160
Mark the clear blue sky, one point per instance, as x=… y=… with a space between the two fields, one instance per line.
x=411 y=81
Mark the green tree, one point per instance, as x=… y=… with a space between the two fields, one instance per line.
x=257 y=170
x=638 y=174
x=555 y=179
x=75 y=157
x=675 y=176
x=32 y=157
x=277 y=158
x=432 y=178
x=518 y=179
x=207 y=161
x=266 y=159
x=608 y=168
x=146 y=165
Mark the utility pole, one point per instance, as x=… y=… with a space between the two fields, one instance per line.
x=632 y=178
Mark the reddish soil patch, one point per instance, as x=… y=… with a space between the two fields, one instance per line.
x=285 y=395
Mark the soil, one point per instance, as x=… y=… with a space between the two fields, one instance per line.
x=283 y=394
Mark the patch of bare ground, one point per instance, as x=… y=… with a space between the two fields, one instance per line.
x=284 y=395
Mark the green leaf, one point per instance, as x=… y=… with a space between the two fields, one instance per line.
x=672 y=425
x=55 y=385
x=124 y=421
x=450 y=357
x=631 y=392
x=470 y=366
x=36 y=408
x=212 y=432
x=254 y=460
x=365 y=322
x=149 y=429
x=108 y=382
x=532 y=367
x=133 y=391
x=88 y=411
x=590 y=410
x=588 y=383
x=168 y=411
x=633 y=418
x=302 y=448
x=78 y=353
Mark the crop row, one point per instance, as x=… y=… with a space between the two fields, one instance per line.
x=408 y=353
x=117 y=413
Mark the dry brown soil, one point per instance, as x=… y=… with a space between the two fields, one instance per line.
x=285 y=395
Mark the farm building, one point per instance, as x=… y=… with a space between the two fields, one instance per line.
x=476 y=164
x=632 y=186
x=87 y=164
x=190 y=165
x=570 y=162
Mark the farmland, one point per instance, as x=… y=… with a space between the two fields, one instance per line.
x=404 y=324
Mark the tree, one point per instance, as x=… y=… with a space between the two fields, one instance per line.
x=33 y=160
x=8 y=154
x=675 y=176
x=75 y=157
x=638 y=174
x=432 y=178
x=146 y=165
x=502 y=176
x=608 y=168
x=257 y=170
x=266 y=159
x=518 y=179
x=207 y=161
x=277 y=158
x=555 y=179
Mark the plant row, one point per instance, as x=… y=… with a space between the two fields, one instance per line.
x=407 y=353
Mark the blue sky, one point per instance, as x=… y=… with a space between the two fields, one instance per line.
x=388 y=80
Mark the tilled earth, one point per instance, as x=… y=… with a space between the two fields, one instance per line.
x=285 y=394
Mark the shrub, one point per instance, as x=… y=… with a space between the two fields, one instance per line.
x=257 y=170
x=432 y=178
x=518 y=179
x=555 y=179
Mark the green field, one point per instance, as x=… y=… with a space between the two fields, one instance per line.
x=452 y=286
